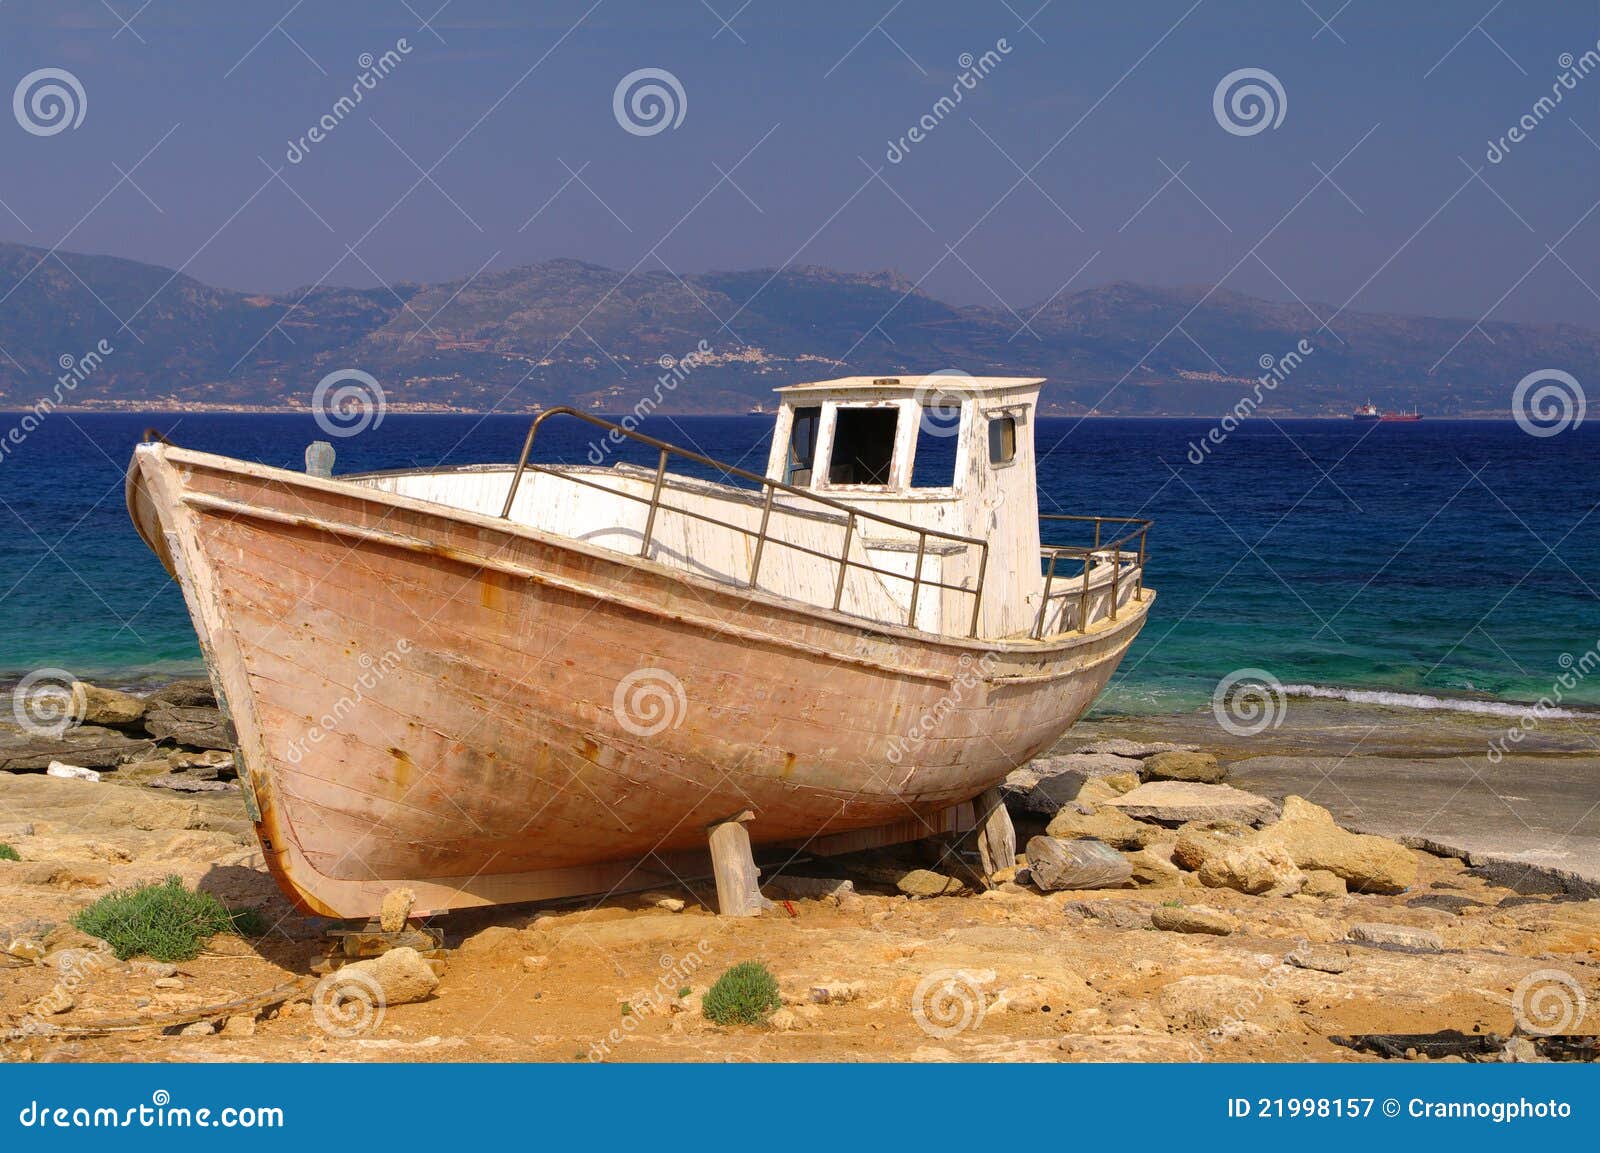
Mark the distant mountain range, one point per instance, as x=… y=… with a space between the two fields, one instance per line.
x=567 y=332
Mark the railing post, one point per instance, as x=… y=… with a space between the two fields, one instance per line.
x=522 y=464
x=655 y=503
x=977 y=594
x=844 y=560
x=1138 y=589
x=1044 y=605
x=1116 y=576
x=916 y=580
x=1096 y=532
x=1083 y=597
x=761 y=537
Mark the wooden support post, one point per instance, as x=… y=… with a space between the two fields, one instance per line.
x=997 y=840
x=738 y=891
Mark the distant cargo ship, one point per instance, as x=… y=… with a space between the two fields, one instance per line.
x=1368 y=414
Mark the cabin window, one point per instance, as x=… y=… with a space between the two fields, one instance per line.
x=935 y=463
x=803 y=445
x=863 y=445
x=1002 y=439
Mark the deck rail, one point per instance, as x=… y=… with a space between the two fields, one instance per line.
x=1092 y=557
x=763 y=538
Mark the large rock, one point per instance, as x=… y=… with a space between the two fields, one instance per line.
x=1153 y=865
x=1193 y=919
x=1112 y=826
x=403 y=974
x=1251 y=867
x=1113 y=914
x=1182 y=766
x=1402 y=937
x=1179 y=802
x=1368 y=864
x=1199 y=841
x=89 y=746
x=1045 y=784
x=97 y=706
x=196 y=726
x=1080 y=864
x=1121 y=747
x=184 y=693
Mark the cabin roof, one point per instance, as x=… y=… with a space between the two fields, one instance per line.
x=933 y=382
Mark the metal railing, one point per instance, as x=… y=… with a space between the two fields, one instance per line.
x=1087 y=555
x=770 y=488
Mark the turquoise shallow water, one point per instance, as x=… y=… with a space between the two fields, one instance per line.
x=1454 y=561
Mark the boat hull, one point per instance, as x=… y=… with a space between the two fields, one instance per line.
x=489 y=714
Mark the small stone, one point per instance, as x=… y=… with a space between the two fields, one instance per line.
x=58 y=1000
x=394 y=910
x=198 y=1029
x=26 y=949
x=71 y=772
x=833 y=993
x=926 y=883
x=671 y=904
x=1183 y=766
x=1153 y=866
x=1193 y=919
x=1200 y=841
x=785 y=1021
x=1178 y=802
x=1402 y=937
x=1115 y=914
x=533 y=963
x=167 y=983
x=1322 y=958
x=239 y=1026
x=96 y=706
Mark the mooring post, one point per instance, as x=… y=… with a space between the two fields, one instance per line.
x=997 y=839
x=738 y=890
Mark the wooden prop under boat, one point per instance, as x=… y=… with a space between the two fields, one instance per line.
x=496 y=684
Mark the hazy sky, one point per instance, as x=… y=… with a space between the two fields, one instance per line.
x=1090 y=149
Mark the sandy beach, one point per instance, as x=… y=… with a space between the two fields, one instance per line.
x=1493 y=928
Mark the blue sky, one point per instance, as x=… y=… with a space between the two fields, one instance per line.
x=1089 y=153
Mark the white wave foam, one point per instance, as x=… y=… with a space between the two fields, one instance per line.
x=1393 y=700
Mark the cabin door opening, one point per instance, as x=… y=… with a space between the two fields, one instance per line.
x=863 y=445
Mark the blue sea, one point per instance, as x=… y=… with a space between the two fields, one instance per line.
x=1439 y=564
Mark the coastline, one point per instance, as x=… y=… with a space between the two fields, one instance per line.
x=402 y=408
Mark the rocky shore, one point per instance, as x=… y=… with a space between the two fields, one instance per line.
x=1165 y=905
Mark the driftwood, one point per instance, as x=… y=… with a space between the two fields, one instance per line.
x=253 y=1003
x=738 y=891
x=1058 y=864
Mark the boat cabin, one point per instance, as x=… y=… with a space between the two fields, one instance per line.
x=904 y=501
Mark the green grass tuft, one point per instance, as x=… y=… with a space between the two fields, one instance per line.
x=744 y=995
x=7 y=853
x=164 y=921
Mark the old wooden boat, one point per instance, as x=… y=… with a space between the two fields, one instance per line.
x=514 y=682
